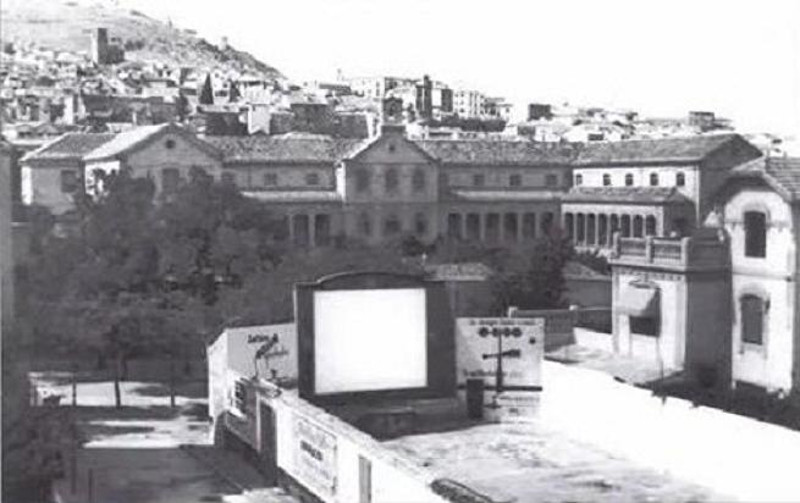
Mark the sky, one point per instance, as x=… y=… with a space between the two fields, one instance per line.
x=740 y=59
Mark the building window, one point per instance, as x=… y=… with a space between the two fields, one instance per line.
x=391 y=226
x=362 y=180
x=270 y=179
x=365 y=225
x=654 y=179
x=515 y=180
x=421 y=224
x=680 y=179
x=228 y=178
x=418 y=180
x=392 y=181
x=69 y=181
x=755 y=234
x=754 y=310
x=578 y=179
x=551 y=180
x=170 y=144
x=629 y=180
x=478 y=180
x=606 y=180
x=170 y=178
x=312 y=179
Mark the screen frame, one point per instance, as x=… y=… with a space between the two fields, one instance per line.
x=440 y=336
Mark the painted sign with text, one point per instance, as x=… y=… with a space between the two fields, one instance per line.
x=315 y=457
x=514 y=346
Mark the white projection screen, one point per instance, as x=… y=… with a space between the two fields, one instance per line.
x=370 y=340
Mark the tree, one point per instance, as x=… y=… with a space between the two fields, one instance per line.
x=534 y=278
x=207 y=93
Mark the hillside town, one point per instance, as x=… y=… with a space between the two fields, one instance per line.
x=219 y=284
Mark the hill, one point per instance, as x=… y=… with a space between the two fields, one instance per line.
x=65 y=25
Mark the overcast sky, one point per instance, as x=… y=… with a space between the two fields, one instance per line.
x=740 y=59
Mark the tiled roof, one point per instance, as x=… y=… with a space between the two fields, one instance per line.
x=124 y=141
x=280 y=149
x=501 y=153
x=667 y=150
x=625 y=195
x=782 y=173
x=71 y=146
x=295 y=196
x=505 y=195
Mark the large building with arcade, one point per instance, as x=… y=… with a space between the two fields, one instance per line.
x=502 y=192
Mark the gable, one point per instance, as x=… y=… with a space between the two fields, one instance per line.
x=173 y=148
x=391 y=149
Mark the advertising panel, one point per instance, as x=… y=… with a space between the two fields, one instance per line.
x=315 y=457
x=507 y=354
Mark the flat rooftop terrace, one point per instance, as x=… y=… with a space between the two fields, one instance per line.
x=529 y=462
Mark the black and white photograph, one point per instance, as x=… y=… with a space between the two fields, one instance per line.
x=420 y=251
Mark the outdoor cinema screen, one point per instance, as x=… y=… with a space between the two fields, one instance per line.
x=370 y=340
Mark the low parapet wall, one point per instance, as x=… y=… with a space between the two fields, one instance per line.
x=325 y=459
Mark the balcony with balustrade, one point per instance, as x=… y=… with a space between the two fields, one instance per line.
x=705 y=250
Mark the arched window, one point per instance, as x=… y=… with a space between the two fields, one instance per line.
x=629 y=180
x=754 y=314
x=392 y=181
x=606 y=180
x=654 y=179
x=755 y=234
x=626 y=226
x=362 y=180
x=418 y=180
x=680 y=179
x=580 y=231
x=638 y=226
x=650 y=225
